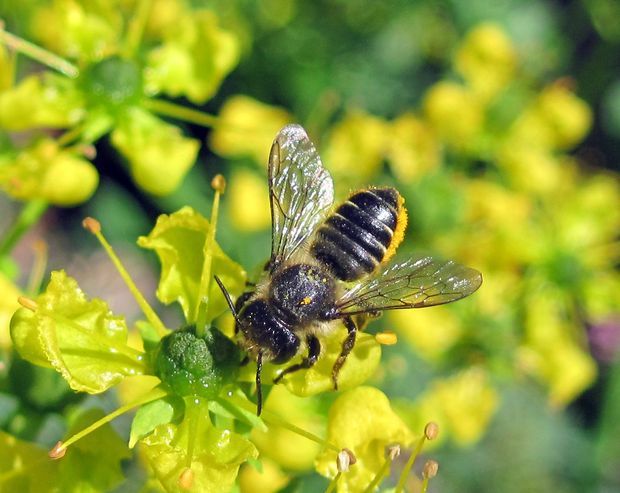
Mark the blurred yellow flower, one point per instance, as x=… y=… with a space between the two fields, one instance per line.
x=430 y=332
x=269 y=480
x=8 y=305
x=487 y=60
x=48 y=172
x=549 y=351
x=194 y=59
x=363 y=421
x=456 y=114
x=356 y=148
x=555 y=120
x=531 y=169
x=82 y=29
x=412 y=148
x=246 y=127
x=290 y=450
x=248 y=201
x=461 y=405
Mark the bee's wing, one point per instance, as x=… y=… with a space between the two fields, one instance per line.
x=300 y=191
x=414 y=283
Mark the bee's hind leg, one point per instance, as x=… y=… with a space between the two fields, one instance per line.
x=314 y=350
x=347 y=346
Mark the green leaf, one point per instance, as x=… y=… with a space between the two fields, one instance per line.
x=159 y=156
x=216 y=455
x=359 y=366
x=178 y=240
x=46 y=171
x=81 y=339
x=50 y=101
x=194 y=58
x=153 y=414
x=92 y=464
x=25 y=467
x=608 y=446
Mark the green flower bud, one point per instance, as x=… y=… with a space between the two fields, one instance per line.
x=197 y=365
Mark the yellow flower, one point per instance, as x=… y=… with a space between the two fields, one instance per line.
x=455 y=113
x=356 y=148
x=557 y=119
x=549 y=351
x=412 y=148
x=247 y=127
x=289 y=450
x=270 y=479
x=49 y=172
x=8 y=306
x=362 y=421
x=461 y=405
x=486 y=60
x=248 y=200
x=431 y=332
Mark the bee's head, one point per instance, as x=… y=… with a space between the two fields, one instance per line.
x=259 y=329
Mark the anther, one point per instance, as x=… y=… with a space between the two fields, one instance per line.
x=430 y=469
x=58 y=451
x=346 y=458
x=386 y=338
x=218 y=183
x=431 y=430
x=91 y=225
x=28 y=303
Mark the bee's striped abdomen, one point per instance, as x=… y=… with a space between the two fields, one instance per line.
x=361 y=234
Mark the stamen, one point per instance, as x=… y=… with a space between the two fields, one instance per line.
x=430 y=471
x=345 y=459
x=94 y=227
x=430 y=430
x=392 y=453
x=59 y=450
x=273 y=419
x=219 y=184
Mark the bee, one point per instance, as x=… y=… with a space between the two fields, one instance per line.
x=330 y=265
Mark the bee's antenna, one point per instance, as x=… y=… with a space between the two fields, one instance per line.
x=259 y=390
x=227 y=296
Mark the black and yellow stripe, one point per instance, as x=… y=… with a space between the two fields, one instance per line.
x=362 y=233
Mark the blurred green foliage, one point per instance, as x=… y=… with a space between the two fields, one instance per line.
x=500 y=125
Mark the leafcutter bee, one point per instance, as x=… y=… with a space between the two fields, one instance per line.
x=330 y=265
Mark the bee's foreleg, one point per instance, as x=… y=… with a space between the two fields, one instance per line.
x=347 y=346
x=314 y=351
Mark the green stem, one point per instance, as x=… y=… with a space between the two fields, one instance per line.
x=178 y=112
x=425 y=484
x=152 y=395
x=39 y=54
x=405 y=474
x=136 y=28
x=28 y=216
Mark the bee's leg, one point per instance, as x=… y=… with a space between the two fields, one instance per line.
x=314 y=350
x=347 y=346
x=259 y=389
